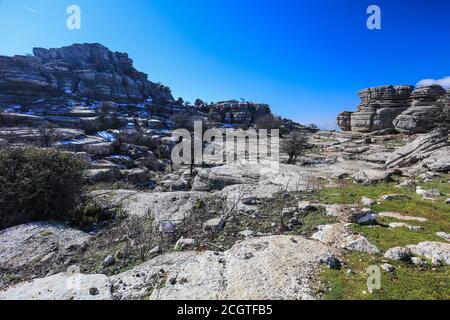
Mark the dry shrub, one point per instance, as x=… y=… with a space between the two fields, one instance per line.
x=39 y=184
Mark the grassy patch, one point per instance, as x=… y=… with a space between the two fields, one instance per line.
x=409 y=282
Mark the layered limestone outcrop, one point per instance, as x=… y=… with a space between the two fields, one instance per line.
x=77 y=71
x=425 y=111
x=403 y=109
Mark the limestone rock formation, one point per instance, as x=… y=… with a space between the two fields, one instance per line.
x=423 y=149
x=424 y=113
x=77 y=71
x=379 y=107
x=400 y=108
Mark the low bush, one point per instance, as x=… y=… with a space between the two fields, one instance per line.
x=39 y=184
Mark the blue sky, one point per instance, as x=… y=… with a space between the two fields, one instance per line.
x=306 y=59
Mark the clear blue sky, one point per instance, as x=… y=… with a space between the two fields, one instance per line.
x=306 y=59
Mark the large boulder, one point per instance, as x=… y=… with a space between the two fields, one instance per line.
x=424 y=113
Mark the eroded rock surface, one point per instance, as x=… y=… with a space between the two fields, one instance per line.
x=277 y=267
x=23 y=245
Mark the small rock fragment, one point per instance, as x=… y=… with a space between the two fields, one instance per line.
x=108 y=262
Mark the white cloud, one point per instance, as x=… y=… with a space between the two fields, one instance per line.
x=444 y=82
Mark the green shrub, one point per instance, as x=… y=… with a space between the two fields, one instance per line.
x=39 y=184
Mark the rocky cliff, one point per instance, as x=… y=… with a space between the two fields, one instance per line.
x=401 y=108
x=78 y=71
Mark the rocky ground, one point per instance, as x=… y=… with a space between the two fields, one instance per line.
x=307 y=230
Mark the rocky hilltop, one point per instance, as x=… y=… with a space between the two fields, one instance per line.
x=79 y=71
x=404 y=109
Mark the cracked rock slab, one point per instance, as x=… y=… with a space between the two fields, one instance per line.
x=63 y=286
x=164 y=206
x=23 y=245
x=275 y=267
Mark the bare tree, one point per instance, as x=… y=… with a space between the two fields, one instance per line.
x=186 y=121
x=142 y=234
x=48 y=135
x=294 y=146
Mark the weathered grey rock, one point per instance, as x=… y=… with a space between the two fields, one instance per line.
x=155 y=251
x=437 y=160
x=368 y=177
x=306 y=206
x=108 y=262
x=438 y=253
x=220 y=177
x=163 y=206
x=407 y=184
x=389 y=268
x=214 y=225
x=166 y=227
x=103 y=175
x=399 y=216
x=247 y=271
x=419 y=262
x=63 y=286
x=424 y=113
x=428 y=194
x=99 y=149
x=386 y=93
x=444 y=235
x=367 y=201
x=418 y=150
x=358 y=243
x=180 y=185
x=385 y=108
x=378 y=109
x=391 y=197
x=330 y=234
x=398 y=254
x=136 y=176
x=80 y=70
x=23 y=245
x=395 y=225
x=344 y=121
x=183 y=244
x=247 y=233
x=364 y=216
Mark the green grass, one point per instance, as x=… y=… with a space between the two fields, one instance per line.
x=410 y=282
